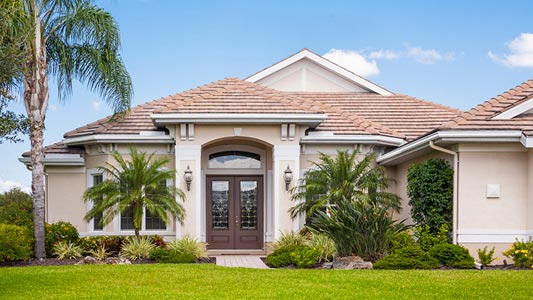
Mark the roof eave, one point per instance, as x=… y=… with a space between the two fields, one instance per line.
x=353 y=139
x=118 y=139
x=311 y=120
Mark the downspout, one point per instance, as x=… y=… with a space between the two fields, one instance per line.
x=455 y=185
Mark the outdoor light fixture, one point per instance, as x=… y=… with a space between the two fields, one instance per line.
x=187 y=175
x=287 y=176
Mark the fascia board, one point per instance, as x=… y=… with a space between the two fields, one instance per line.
x=312 y=120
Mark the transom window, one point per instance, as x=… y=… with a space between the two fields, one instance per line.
x=234 y=160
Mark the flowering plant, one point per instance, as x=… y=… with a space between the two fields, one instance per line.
x=522 y=253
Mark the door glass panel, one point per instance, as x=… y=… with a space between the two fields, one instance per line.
x=219 y=206
x=248 y=194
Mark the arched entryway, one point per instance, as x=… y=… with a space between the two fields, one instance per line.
x=236 y=193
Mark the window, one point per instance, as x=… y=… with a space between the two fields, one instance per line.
x=126 y=219
x=234 y=160
x=97 y=179
x=151 y=221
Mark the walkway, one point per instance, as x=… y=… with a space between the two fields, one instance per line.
x=241 y=261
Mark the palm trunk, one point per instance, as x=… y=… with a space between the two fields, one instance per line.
x=36 y=101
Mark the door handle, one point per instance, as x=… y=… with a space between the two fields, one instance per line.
x=236 y=220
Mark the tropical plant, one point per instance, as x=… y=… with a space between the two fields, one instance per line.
x=100 y=253
x=358 y=228
x=188 y=245
x=430 y=190
x=16 y=207
x=66 y=40
x=323 y=245
x=290 y=238
x=486 y=256
x=67 y=250
x=137 y=248
x=339 y=179
x=16 y=242
x=132 y=186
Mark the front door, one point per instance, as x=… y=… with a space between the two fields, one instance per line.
x=234 y=212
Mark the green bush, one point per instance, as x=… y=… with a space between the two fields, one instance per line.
x=16 y=242
x=522 y=253
x=137 y=248
x=59 y=231
x=170 y=256
x=323 y=245
x=486 y=257
x=112 y=244
x=430 y=191
x=16 y=208
x=100 y=253
x=427 y=239
x=188 y=245
x=67 y=250
x=411 y=257
x=452 y=256
x=300 y=256
x=401 y=240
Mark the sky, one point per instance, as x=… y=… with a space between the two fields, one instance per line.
x=456 y=53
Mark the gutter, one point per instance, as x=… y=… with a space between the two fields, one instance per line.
x=455 y=187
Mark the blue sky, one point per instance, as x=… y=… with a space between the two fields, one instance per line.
x=457 y=53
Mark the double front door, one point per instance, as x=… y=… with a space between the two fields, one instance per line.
x=234 y=212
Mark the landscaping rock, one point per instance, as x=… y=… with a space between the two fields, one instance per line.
x=88 y=260
x=326 y=265
x=351 y=263
x=117 y=261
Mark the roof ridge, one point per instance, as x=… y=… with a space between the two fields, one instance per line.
x=482 y=107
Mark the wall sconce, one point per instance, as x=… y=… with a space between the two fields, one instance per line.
x=187 y=175
x=287 y=176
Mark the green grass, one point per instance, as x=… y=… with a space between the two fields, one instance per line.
x=212 y=282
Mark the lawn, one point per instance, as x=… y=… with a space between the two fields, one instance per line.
x=211 y=282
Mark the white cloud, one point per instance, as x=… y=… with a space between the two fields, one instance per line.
x=6 y=185
x=384 y=54
x=353 y=61
x=521 y=52
x=97 y=104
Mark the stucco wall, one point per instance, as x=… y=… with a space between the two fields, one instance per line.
x=65 y=196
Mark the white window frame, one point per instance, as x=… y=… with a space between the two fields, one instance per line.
x=90 y=180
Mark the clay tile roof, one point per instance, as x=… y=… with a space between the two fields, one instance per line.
x=406 y=116
x=60 y=148
x=480 y=117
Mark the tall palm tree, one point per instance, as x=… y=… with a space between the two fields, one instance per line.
x=342 y=178
x=68 y=39
x=132 y=185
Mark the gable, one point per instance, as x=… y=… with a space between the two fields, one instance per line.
x=306 y=71
x=306 y=76
x=524 y=108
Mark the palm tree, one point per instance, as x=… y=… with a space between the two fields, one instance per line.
x=68 y=39
x=132 y=185
x=342 y=178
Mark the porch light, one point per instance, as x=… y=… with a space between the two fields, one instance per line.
x=187 y=175
x=287 y=176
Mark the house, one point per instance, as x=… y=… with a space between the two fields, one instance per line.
x=246 y=142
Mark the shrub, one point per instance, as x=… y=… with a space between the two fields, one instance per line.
x=66 y=250
x=452 y=256
x=100 y=253
x=305 y=257
x=161 y=255
x=188 y=245
x=323 y=245
x=401 y=240
x=411 y=257
x=289 y=239
x=137 y=248
x=16 y=242
x=298 y=255
x=158 y=241
x=112 y=243
x=521 y=252
x=16 y=208
x=427 y=239
x=486 y=257
x=430 y=190
x=59 y=231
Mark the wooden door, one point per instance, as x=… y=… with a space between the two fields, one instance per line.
x=234 y=212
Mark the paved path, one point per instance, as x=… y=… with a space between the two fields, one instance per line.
x=241 y=261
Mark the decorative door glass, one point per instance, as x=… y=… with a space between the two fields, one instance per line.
x=219 y=209
x=248 y=195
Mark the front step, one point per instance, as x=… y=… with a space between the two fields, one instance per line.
x=214 y=252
